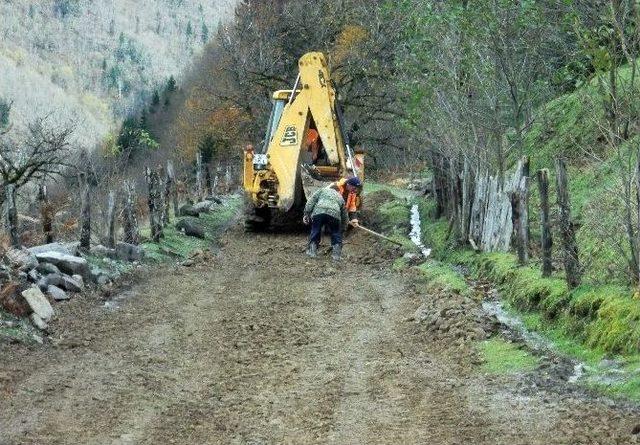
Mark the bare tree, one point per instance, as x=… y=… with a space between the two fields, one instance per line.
x=43 y=153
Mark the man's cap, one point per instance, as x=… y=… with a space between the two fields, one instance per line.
x=354 y=182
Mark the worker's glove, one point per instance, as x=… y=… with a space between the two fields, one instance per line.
x=306 y=220
x=354 y=222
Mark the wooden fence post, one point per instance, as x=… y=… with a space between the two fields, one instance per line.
x=46 y=214
x=130 y=223
x=11 y=214
x=172 y=186
x=160 y=203
x=520 y=217
x=85 y=212
x=154 y=221
x=111 y=220
x=199 y=182
x=567 y=228
x=546 y=240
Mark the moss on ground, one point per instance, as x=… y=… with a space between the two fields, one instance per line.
x=502 y=357
x=443 y=277
x=176 y=245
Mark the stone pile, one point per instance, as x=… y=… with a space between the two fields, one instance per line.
x=31 y=279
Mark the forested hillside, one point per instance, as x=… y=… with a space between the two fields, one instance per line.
x=93 y=62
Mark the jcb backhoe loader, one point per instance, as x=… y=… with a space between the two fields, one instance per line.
x=305 y=148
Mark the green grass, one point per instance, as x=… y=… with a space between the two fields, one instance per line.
x=372 y=187
x=175 y=245
x=443 y=277
x=502 y=357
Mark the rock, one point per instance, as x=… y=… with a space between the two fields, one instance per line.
x=21 y=259
x=53 y=247
x=190 y=227
x=103 y=279
x=99 y=276
x=68 y=264
x=38 y=322
x=11 y=300
x=57 y=294
x=38 y=303
x=33 y=276
x=189 y=210
x=42 y=284
x=203 y=207
x=78 y=279
x=47 y=268
x=64 y=281
x=129 y=252
x=103 y=251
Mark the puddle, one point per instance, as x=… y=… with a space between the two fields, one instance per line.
x=532 y=339
x=416 y=231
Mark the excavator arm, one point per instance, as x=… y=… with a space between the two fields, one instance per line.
x=273 y=178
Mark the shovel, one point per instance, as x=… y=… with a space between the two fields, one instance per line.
x=379 y=235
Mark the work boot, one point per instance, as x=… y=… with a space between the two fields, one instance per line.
x=336 y=253
x=312 y=250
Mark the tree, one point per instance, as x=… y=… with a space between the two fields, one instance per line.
x=5 y=110
x=204 y=34
x=42 y=153
x=171 y=85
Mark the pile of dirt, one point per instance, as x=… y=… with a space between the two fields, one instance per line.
x=453 y=319
x=371 y=204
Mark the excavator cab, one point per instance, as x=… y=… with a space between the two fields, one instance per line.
x=305 y=148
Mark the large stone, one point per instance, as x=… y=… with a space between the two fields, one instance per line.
x=189 y=210
x=203 y=207
x=190 y=227
x=129 y=252
x=64 y=281
x=47 y=268
x=103 y=251
x=38 y=322
x=68 y=264
x=38 y=303
x=57 y=294
x=21 y=259
x=53 y=247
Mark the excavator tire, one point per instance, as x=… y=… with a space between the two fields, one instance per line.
x=256 y=219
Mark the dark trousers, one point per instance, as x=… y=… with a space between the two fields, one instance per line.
x=322 y=220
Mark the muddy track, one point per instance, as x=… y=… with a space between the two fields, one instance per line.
x=262 y=346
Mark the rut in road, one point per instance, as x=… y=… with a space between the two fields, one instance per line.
x=263 y=346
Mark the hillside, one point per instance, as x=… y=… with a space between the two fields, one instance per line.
x=94 y=61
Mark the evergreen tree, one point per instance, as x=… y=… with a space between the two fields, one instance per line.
x=155 y=100
x=189 y=31
x=205 y=33
x=5 y=110
x=171 y=84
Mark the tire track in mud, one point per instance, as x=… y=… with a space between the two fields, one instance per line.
x=264 y=346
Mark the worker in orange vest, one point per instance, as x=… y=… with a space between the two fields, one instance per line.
x=350 y=189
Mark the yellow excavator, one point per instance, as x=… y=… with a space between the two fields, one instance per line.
x=305 y=148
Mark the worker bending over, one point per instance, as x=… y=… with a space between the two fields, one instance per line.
x=326 y=208
x=349 y=189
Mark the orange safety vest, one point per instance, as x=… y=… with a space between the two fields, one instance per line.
x=351 y=199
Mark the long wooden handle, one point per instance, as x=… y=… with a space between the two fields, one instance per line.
x=379 y=235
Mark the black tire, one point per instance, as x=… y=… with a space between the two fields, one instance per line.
x=256 y=219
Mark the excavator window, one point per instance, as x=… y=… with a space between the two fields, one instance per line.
x=274 y=120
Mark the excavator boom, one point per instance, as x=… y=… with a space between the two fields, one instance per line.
x=304 y=143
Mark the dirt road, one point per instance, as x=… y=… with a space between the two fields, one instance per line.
x=262 y=346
